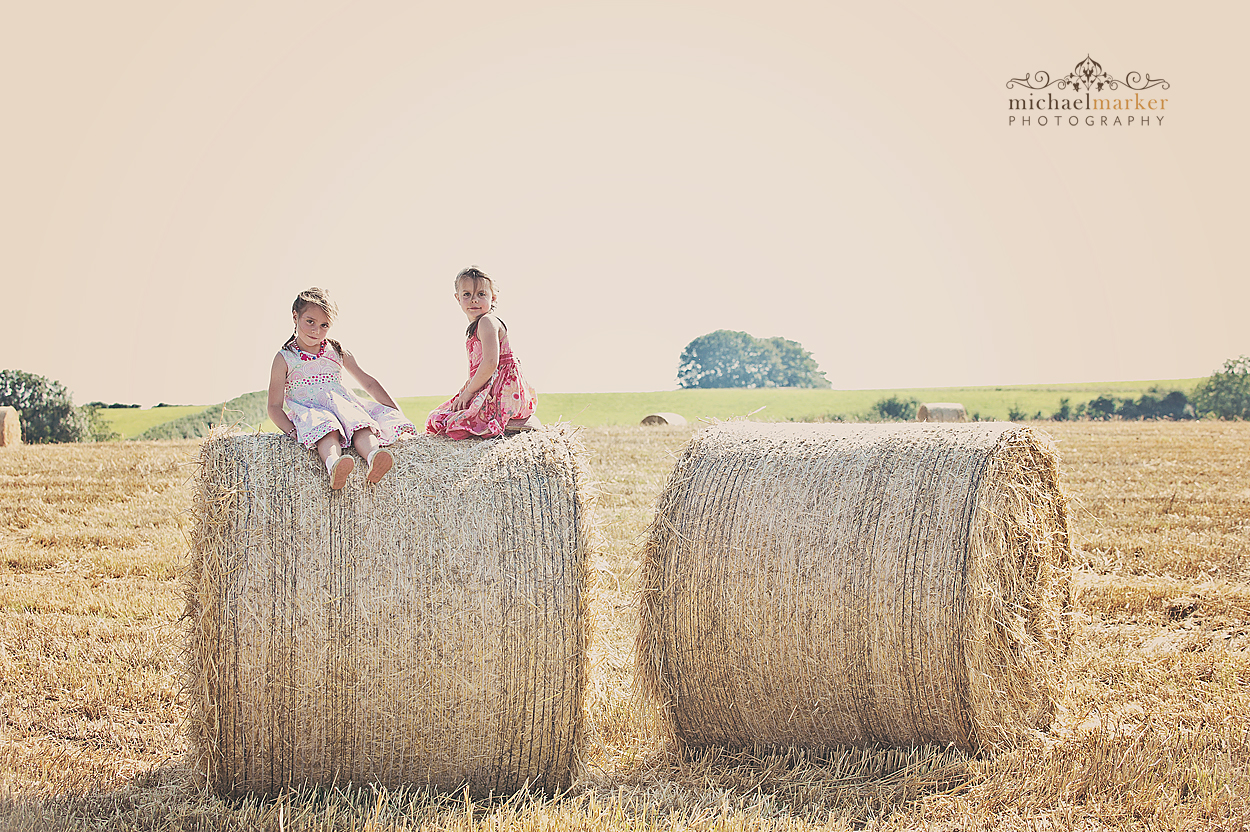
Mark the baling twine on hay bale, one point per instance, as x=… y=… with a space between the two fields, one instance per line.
x=823 y=586
x=941 y=412
x=10 y=427
x=429 y=629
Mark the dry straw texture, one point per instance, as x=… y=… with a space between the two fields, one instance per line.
x=427 y=629
x=10 y=427
x=832 y=585
x=941 y=412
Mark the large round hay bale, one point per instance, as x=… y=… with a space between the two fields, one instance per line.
x=654 y=419
x=941 y=412
x=10 y=427
x=819 y=586
x=429 y=629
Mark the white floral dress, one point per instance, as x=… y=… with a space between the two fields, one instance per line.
x=318 y=403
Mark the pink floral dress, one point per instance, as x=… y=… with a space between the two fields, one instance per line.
x=318 y=403
x=505 y=397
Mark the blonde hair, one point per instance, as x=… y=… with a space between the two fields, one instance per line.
x=320 y=298
x=475 y=274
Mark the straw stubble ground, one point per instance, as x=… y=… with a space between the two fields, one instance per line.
x=1153 y=730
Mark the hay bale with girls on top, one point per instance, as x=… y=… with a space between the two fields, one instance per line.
x=429 y=629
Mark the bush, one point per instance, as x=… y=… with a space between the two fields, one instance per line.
x=1174 y=405
x=895 y=409
x=1101 y=408
x=1015 y=414
x=98 y=429
x=1226 y=394
x=45 y=407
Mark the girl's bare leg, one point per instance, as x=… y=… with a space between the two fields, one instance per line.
x=330 y=449
x=364 y=442
x=379 y=459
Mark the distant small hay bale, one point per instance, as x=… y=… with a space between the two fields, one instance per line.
x=941 y=412
x=430 y=629
x=10 y=427
x=663 y=419
x=821 y=586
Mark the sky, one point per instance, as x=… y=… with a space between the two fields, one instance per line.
x=633 y=175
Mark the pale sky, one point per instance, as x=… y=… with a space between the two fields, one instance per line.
x=633 y=175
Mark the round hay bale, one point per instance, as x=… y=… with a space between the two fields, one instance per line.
x=654 y=419
x=429 y=629
x=823 y=586
x=10 y=427
x=941 y=412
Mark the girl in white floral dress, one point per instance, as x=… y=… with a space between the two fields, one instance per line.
x=309 y=402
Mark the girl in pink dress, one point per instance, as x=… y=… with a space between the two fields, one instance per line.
x=309 y=402
x=496 y=398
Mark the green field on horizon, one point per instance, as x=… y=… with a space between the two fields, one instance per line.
x=767 y=405
x=129 y=422
x=804 y=405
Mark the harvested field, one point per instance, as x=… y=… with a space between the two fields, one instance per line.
x=1151 y=731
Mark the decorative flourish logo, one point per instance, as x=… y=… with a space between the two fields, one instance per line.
x=1089 y=88
x=1090 y=74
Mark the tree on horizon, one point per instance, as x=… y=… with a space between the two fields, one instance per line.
x=728 y=358
x=45 y=407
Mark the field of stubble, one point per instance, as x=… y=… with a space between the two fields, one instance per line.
x=1154 y=733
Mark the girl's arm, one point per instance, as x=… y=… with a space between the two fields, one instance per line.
x=277 y=396
x=371 y=384
x=488 y=334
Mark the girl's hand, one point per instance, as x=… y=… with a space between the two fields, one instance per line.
x=488 y=334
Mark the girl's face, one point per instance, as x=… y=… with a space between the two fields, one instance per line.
x=312 y=325
x=475 y=297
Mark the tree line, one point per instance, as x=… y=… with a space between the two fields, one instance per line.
x=719 y=359
x=47 y=412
